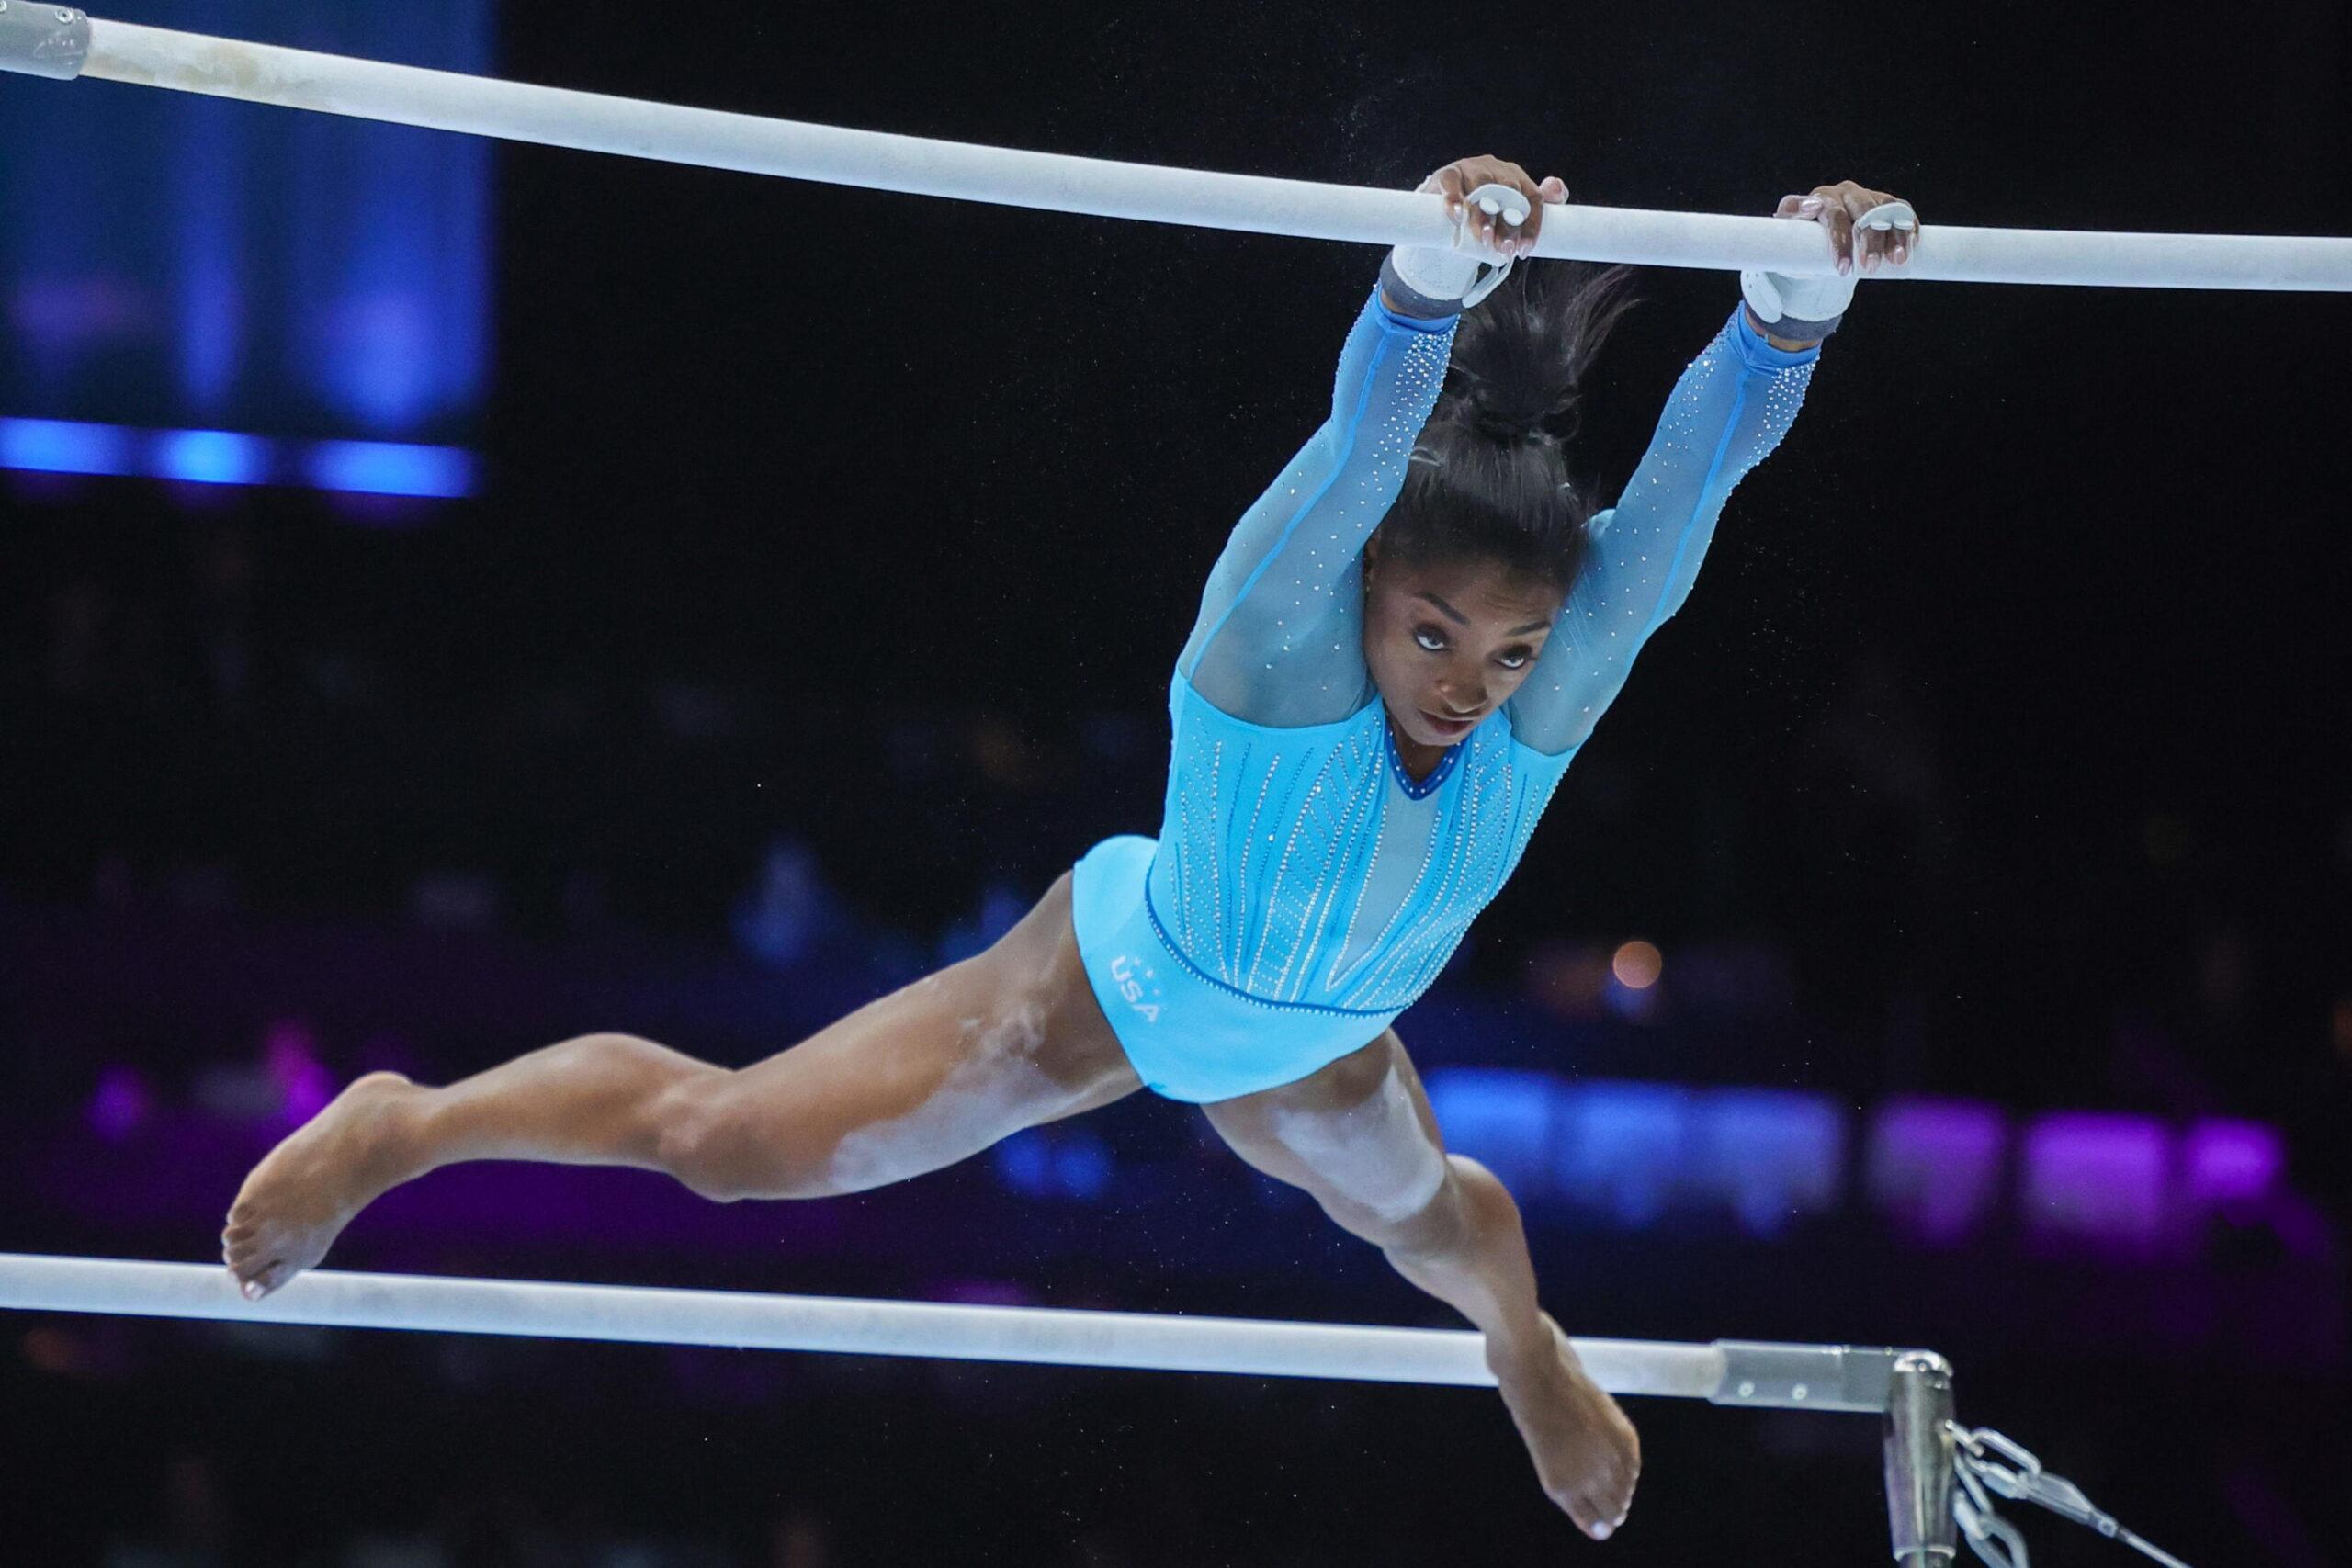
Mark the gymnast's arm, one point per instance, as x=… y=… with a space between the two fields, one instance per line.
x=1279 y=638
x=1729 y=410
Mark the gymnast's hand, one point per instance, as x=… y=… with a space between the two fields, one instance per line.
x=1841 y=207
x=1457 y=179
x=1867 y=228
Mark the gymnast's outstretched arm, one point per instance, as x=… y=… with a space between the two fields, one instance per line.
x=1728 y=410
x=1279 y=639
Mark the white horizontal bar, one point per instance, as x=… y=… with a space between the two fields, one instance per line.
x=742 y=1321
x=551 y=117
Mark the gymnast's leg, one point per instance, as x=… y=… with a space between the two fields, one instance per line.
x=1359 y=1137
x=916 y=1080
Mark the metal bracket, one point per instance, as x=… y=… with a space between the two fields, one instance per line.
x=1805 y=1377
x=1919 y=1455
x=43 y=40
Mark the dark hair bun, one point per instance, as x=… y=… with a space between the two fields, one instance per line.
x=1519 y=355
x=1488 y=479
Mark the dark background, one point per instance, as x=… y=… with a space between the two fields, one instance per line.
x=2007 y=717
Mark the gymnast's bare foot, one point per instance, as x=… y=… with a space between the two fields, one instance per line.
x=1586 y=1452
x=297 y=1200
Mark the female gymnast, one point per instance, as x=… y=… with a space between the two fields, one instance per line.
x=1404 y=643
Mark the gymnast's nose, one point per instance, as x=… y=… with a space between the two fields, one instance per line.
x=1450 y=704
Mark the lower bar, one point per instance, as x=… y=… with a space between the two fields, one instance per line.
x=1051 y=1336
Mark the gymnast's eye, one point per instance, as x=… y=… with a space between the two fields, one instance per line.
x=1431 y=638
x=1515 y=659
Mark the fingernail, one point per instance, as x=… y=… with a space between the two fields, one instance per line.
x=253 y=1290
x=1602 y=1532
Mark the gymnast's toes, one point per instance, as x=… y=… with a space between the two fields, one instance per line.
x=299 y=1198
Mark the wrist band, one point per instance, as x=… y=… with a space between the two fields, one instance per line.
x=1411 y=300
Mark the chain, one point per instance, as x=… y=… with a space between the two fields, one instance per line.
x=1990 y=1463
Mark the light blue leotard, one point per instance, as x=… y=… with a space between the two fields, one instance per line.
x=1304 y=889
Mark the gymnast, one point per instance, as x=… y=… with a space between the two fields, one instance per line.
x=1403 y=644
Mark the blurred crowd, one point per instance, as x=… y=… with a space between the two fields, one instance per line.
x=196 y=728
x=264 y=842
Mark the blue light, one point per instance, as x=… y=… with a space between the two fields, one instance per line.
x=1068 y=1165
x=211 y=457
x=391 y=275
x=1500 y=1117
x=64 y=446
x=1622 y=1147
x=383 y=467
x=1083 y=1165
x=201 y=265
x=1024 y=1164
x=223 y=457
x=1772 y=1156
x=214 y=144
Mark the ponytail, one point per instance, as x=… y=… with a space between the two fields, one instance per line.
x=1489 y=478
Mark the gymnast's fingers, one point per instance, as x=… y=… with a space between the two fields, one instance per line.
x=1489 y=214
x=1531 y=227
x=1486 y=215
x=1854 y=241
x=1874 y=242
x=1833 y=215
x=1552 y=192
x=1851 y=241
x=1519 y=229
x=1906 y=243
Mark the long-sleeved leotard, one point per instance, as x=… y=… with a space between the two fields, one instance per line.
x=1304 y=888
x=1279 y=638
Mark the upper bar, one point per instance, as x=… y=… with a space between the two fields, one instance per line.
x=553 y=116
x=744 y=1321
x=43 y=40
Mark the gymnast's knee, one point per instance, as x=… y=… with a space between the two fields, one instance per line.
x=1470 y=1204
x=717 y=1145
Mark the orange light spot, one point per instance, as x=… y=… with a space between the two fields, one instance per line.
x=1637 y=965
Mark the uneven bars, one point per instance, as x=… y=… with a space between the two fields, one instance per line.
x=63 y=43
x=1809 y=1377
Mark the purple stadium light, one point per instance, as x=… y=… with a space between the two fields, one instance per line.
x=1934 y=1166
x=2097 y=1182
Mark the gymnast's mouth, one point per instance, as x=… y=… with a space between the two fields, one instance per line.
x=1451 y=727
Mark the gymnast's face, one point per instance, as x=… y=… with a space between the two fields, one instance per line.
x=1450 y=641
